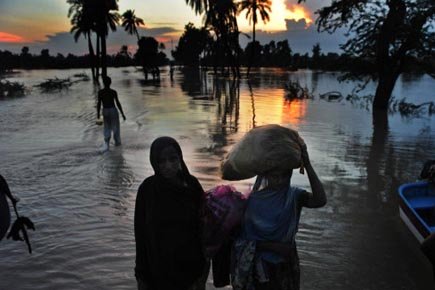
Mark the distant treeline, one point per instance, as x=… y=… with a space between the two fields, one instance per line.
x=273 y=54
x=26 y=60
x=279 y=54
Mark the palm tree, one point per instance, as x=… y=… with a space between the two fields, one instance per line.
x=251 y=7
x=130 y=22
x=221 y=18
x=105 y=20
x=82 y=24
x=200 y=6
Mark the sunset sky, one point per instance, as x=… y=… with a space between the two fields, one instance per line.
x=44 y=24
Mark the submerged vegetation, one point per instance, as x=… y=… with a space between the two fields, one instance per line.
x=11 y=89
x=55 y=84
x=295 y=91
x=402 y=106
x=410 y=109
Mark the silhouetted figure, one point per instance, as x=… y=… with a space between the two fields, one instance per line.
x=167 y=223
x=108 y=98
x=265 y=252
x=171 y=71
x=5 y=214
x=20 y=224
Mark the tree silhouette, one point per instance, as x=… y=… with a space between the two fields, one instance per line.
x=148 y=56
x=130 y=22
x=192 y=43
x=221 y=18
x=25 y=57
x=252 y=7
x=105 y=20
x=83 y=24
x=199 y=6
x=98 y=16
x=389 y=32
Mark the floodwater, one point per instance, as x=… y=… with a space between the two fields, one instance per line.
x=82 y=201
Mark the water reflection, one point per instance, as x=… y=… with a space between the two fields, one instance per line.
x=191 y=81
x=49 y=143
x=116 y=176
x=377 y=155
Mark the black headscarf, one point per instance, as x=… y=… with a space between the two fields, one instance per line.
x=156 y=149
x=167 y=226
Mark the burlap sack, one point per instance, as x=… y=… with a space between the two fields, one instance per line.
x=265 y=149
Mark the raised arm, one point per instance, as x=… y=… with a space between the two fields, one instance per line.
x=118 y=104
x=5 y=188
x=316 y=198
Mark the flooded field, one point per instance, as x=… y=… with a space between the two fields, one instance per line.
x=82 y=201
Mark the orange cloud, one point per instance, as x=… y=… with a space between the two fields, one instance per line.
x=163 y=39
x=281 y=11
x=7 y=37
x=298 y=12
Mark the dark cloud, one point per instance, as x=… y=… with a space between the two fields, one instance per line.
x=293 y=25
x=301 y=38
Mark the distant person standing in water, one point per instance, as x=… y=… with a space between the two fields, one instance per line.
x=108 y=97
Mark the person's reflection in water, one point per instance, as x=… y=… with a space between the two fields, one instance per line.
x=167 y=223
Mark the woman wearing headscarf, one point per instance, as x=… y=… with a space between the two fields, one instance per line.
x=167 y=223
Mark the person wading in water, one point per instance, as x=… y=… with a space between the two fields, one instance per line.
x=109 y=97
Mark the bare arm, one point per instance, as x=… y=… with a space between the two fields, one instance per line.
x=318 y=197
x=5 y=188
x=118 y=104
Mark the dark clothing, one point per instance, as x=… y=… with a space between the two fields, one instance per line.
x=282 y=276
x=221 y=266
x=5 y=215
x=108 y=97
x=167 y=227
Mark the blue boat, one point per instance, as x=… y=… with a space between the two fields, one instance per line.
x=417 y=208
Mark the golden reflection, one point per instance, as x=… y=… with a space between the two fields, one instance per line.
x=269 y=106
x=293 y=111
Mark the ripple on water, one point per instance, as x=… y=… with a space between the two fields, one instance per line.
x=82 y=202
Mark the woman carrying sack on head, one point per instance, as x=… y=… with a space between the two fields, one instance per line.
x=265 y=252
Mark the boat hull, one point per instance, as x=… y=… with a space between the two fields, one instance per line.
x=417 y=208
